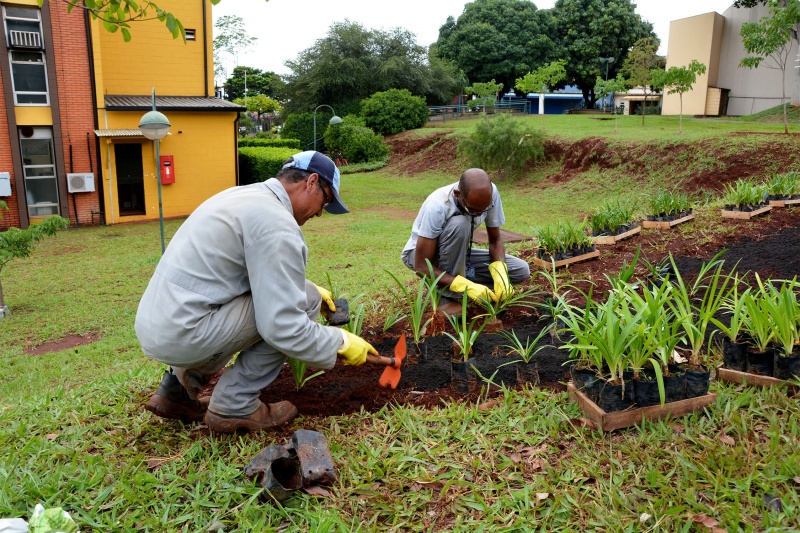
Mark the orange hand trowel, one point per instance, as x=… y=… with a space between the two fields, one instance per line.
x=391 y=374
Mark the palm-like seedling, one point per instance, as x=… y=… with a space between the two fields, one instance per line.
x=757 y=320
x=417 y=303
x=785 y=311
x=733 y=305
x=610 y=216
x=525 y=350
x=466 y=330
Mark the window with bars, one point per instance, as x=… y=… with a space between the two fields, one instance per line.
x=23 y=29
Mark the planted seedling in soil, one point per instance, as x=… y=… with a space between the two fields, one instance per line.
x=299 y=370
x=466 y=333
x=526 y=368
x=417 y=303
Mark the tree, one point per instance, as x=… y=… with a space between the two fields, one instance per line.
x=256 y=82
x=499 y=39
x=591 y=29
x=603 y=88
x=769 y=40
x=483 y=91
x=230 y=38
x=679 y=80
x=543 y=78
x=639 y=66
x=18 y=243
x=352 y=63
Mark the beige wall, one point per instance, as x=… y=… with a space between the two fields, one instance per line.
x=714 y=40
x=699 y=38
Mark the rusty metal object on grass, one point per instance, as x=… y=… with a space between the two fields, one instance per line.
x=306 y=461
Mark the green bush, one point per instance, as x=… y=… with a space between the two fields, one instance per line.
x=393 y=111
x=258 y=163
x=355 y=168
x=502 y=144
x=275 y=143
x=354 y=141
x=301 y=126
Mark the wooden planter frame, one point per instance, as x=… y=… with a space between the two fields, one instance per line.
x=728 y=375
x=541 y=263
x=667 y=225
x=746 y=215
x=631 y=417
x=784 y=203
x=613 y=239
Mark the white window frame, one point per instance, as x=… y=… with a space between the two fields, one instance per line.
x=37 y=19
x=46 y=92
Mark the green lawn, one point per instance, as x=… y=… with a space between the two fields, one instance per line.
x=73 y=432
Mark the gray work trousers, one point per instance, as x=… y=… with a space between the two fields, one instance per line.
x=258 y=364
x=451 y=256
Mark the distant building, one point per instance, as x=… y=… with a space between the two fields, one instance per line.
x=74 y=93
x=725 y=89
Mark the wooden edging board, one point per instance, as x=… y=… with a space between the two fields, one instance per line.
x=612 y=239
x=746 y=215
x=734 y=376
x=623 y=419
x=585 y=257
x=784 y=203
x=666 y=225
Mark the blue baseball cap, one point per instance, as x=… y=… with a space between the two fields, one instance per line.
x=319 y=163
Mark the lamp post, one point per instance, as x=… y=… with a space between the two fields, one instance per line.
x=334 y=120
x=607 y=61
x=155 y=126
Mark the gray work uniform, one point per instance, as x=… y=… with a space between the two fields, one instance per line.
x=234 y=279
x=440 y=218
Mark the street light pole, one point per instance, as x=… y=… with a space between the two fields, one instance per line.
x=607 y=61
x=334 y=120
x=155 y=126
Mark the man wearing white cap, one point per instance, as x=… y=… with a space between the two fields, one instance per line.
x=233 y=280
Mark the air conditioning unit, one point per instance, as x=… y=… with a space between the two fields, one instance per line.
x=80 y=182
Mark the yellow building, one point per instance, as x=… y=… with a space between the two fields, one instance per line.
x=198 y=157
x=725 y=88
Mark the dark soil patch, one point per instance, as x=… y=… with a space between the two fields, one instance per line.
x=64 y=343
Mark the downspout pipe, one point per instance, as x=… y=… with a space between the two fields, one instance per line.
x=205 y=48
x=93 y=77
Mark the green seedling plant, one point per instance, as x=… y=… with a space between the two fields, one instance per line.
x=466 y=330
x=757 y=320
x=785 y=312
x=394 y=316
x=743 y=193
x=525 y=350
x=299 y=369
x=432 y=285
x=784 y=185
x=666 y=203
x=417 y=303
x=733 y=305
x=356 y=323
x=514 y=297
x=624 y=277
x=610 y=216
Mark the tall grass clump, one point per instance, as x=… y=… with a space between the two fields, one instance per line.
x=503 y=144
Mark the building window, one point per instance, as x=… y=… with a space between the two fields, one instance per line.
x=29 y=78
x=23 y=27
x=190 y=35
x=39 y=170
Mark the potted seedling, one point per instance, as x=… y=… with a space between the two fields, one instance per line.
x=668 y=209
x=784 y=189
x=744 y=200
x=466 y=333
x=785 y=312
x=612 y=222
x=734 y=341
x=757 y=324
x=694 y=307
x=526 y=366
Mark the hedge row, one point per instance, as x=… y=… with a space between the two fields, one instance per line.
x=261 y=163
x=272 y=143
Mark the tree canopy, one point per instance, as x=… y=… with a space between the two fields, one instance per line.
x=640 y=64
x=591 y=29
x=258 y=82
x=679 y=80
x=230 y=38
x=352 y=63
x=542 y=78
x=498 y=39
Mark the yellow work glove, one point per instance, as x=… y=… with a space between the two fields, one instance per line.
x=502 y=285
x=354 y=349
x=327 y=297
x=475 y=291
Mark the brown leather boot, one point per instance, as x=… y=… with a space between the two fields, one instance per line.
x=265 y=417
x=172 y=401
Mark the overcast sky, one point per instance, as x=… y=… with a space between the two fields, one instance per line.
x=286 y=27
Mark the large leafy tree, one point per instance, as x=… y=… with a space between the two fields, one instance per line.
x=257 y=82
x=498 y=40
x=352 y=63
x=230 y=38
x=591 y=29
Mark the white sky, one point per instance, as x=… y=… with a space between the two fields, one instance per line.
x=286 y=27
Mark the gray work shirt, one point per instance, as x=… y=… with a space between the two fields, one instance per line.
x=440 y=206
x=242 y=240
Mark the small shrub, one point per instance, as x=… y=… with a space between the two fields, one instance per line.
x=258 y=163
x=277 y=143
x=503 y=144
x=301 y=126
x=393 y=111
x=354 y=141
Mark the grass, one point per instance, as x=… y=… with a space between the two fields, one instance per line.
x=74 y=435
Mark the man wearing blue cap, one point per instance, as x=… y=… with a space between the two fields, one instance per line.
x=233 y=280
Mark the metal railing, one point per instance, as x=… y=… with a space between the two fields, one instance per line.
x=444 y=113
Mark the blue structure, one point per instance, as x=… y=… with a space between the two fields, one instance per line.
x=555 y=103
